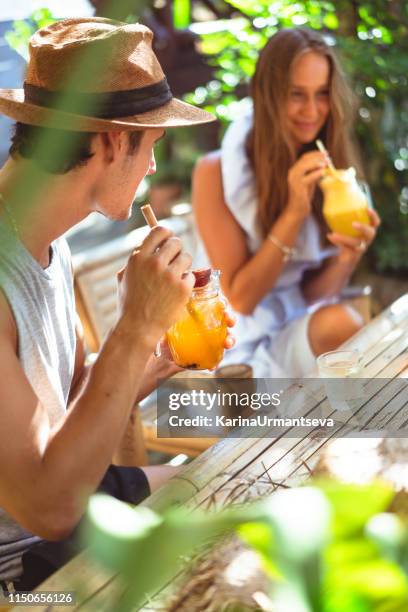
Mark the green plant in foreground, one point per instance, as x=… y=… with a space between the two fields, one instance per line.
x=329 y=547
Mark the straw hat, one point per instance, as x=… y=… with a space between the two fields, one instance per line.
x=100 y=75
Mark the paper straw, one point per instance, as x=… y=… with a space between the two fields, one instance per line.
x=325 y=152
x=151 y=221
x=147 y=212
x=150 y=218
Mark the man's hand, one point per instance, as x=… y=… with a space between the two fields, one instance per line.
x=157 y=368
x=351 y=249
x=155 y=286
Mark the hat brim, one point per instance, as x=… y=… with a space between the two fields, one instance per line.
x=172 y=114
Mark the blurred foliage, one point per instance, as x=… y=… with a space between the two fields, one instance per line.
x=327 y=548
x=18 y=37
x=176 y=156
x=372 y=39
x=181 y=13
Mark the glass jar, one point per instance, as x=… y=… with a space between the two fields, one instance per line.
x=344 y=202
x=197 y=339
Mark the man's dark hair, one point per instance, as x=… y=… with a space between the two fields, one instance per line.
x=77 y=144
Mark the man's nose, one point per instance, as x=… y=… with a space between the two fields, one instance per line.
x=152 y=165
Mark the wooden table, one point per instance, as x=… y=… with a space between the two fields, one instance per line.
x=222 y=473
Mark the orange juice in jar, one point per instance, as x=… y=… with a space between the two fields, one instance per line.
x=196 y=340
x=344 y=201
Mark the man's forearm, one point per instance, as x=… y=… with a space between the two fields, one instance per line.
x=80 y=450
x=79 y=386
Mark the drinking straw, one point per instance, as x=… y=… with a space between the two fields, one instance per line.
x=325 y=152
x=151 y=221
x=150 y=217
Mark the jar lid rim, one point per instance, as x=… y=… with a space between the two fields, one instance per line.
x=202 y=277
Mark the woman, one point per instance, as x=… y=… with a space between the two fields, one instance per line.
x=259 y=210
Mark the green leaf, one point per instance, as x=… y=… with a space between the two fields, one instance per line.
x=247 y=66
x=260 y=537
x=248 y=7
x=353 y=505
x=299 y=532
x=342 y=553
x=331 y=21
x=19 y=36
x=42 y=17
x=181 y=13
x=386 y=36
x=377 y=580
x=366 y=16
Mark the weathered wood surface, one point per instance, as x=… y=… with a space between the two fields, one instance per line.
x=235 y=470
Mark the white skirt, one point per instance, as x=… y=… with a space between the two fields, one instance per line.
x=285 y=353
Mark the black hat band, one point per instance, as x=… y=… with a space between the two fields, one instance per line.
x=104 y=105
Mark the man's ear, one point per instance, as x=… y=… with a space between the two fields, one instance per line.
x=113 y=144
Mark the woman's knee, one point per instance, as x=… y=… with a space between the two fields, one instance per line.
x=332 y=325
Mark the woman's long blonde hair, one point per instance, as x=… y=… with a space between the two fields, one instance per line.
x=268 y=144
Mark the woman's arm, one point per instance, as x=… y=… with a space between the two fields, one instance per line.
x=329 y=280
x=245 y=279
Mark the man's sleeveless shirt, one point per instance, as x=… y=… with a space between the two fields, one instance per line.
x=42 y=303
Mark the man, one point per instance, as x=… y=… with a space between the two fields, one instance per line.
x=51 y=458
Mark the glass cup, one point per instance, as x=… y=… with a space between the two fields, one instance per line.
x=345 y=202
x=339 y=364
x=364 y=187
x=341 y=369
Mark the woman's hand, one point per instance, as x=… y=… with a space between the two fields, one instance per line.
x=302 y=179
x=352 y=249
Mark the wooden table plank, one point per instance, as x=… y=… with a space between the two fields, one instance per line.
x=308 y=449
x=381 y=364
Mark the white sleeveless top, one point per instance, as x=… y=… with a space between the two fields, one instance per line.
x=42 y=303
x=285 y=302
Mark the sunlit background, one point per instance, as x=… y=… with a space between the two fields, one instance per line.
x=209 y=51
